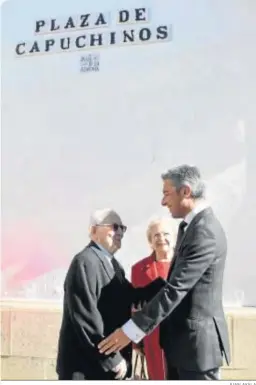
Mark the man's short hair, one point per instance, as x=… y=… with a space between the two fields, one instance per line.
x=186 y=175
x=103 y=217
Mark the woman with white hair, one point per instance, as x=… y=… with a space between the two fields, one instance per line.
x=161 y=234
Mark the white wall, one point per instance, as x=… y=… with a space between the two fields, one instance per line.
x=73 y=142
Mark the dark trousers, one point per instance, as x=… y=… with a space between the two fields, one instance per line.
x=93 y=371
x=79 y=376
x=92 y=375
x=173 y=373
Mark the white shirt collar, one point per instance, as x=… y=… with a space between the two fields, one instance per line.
x=202 y=205
x=106 y=252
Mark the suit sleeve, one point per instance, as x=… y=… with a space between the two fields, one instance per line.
x=81 y=294
x=139 y=294
x=197 y=256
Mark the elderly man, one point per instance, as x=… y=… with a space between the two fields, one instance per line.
x=189 y=309
x=97 y=300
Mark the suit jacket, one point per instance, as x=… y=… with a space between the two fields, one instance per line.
x=96 y=302
x=193 y=330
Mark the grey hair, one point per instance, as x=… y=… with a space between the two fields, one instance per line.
x=104 y=216
x=170 y=224
x=186 y=175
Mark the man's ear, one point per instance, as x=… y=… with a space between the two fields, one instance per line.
x=92 y=230
x=186 y=191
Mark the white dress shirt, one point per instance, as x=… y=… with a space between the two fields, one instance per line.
x=196 y=210
x=133 y=332
x=107 y=254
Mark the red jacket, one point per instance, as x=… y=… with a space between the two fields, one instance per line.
x=144 y=272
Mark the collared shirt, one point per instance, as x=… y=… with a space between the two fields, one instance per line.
x=106 y=253
x=133 y=332
x=202 y=205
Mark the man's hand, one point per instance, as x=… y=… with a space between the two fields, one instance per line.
x=114 y=342
x=120 y=370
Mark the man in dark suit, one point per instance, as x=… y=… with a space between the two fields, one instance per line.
x=97 y=300
x=189 y=309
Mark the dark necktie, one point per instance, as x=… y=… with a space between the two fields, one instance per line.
x=117 y=269
x=181 y=231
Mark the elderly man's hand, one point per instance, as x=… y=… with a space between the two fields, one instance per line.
x=120 y=370
x=114 y=342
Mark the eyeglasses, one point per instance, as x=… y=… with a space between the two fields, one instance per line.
x=158 y=235
x=116 y=227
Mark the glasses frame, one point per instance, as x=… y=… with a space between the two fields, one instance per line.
x=115 y=226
